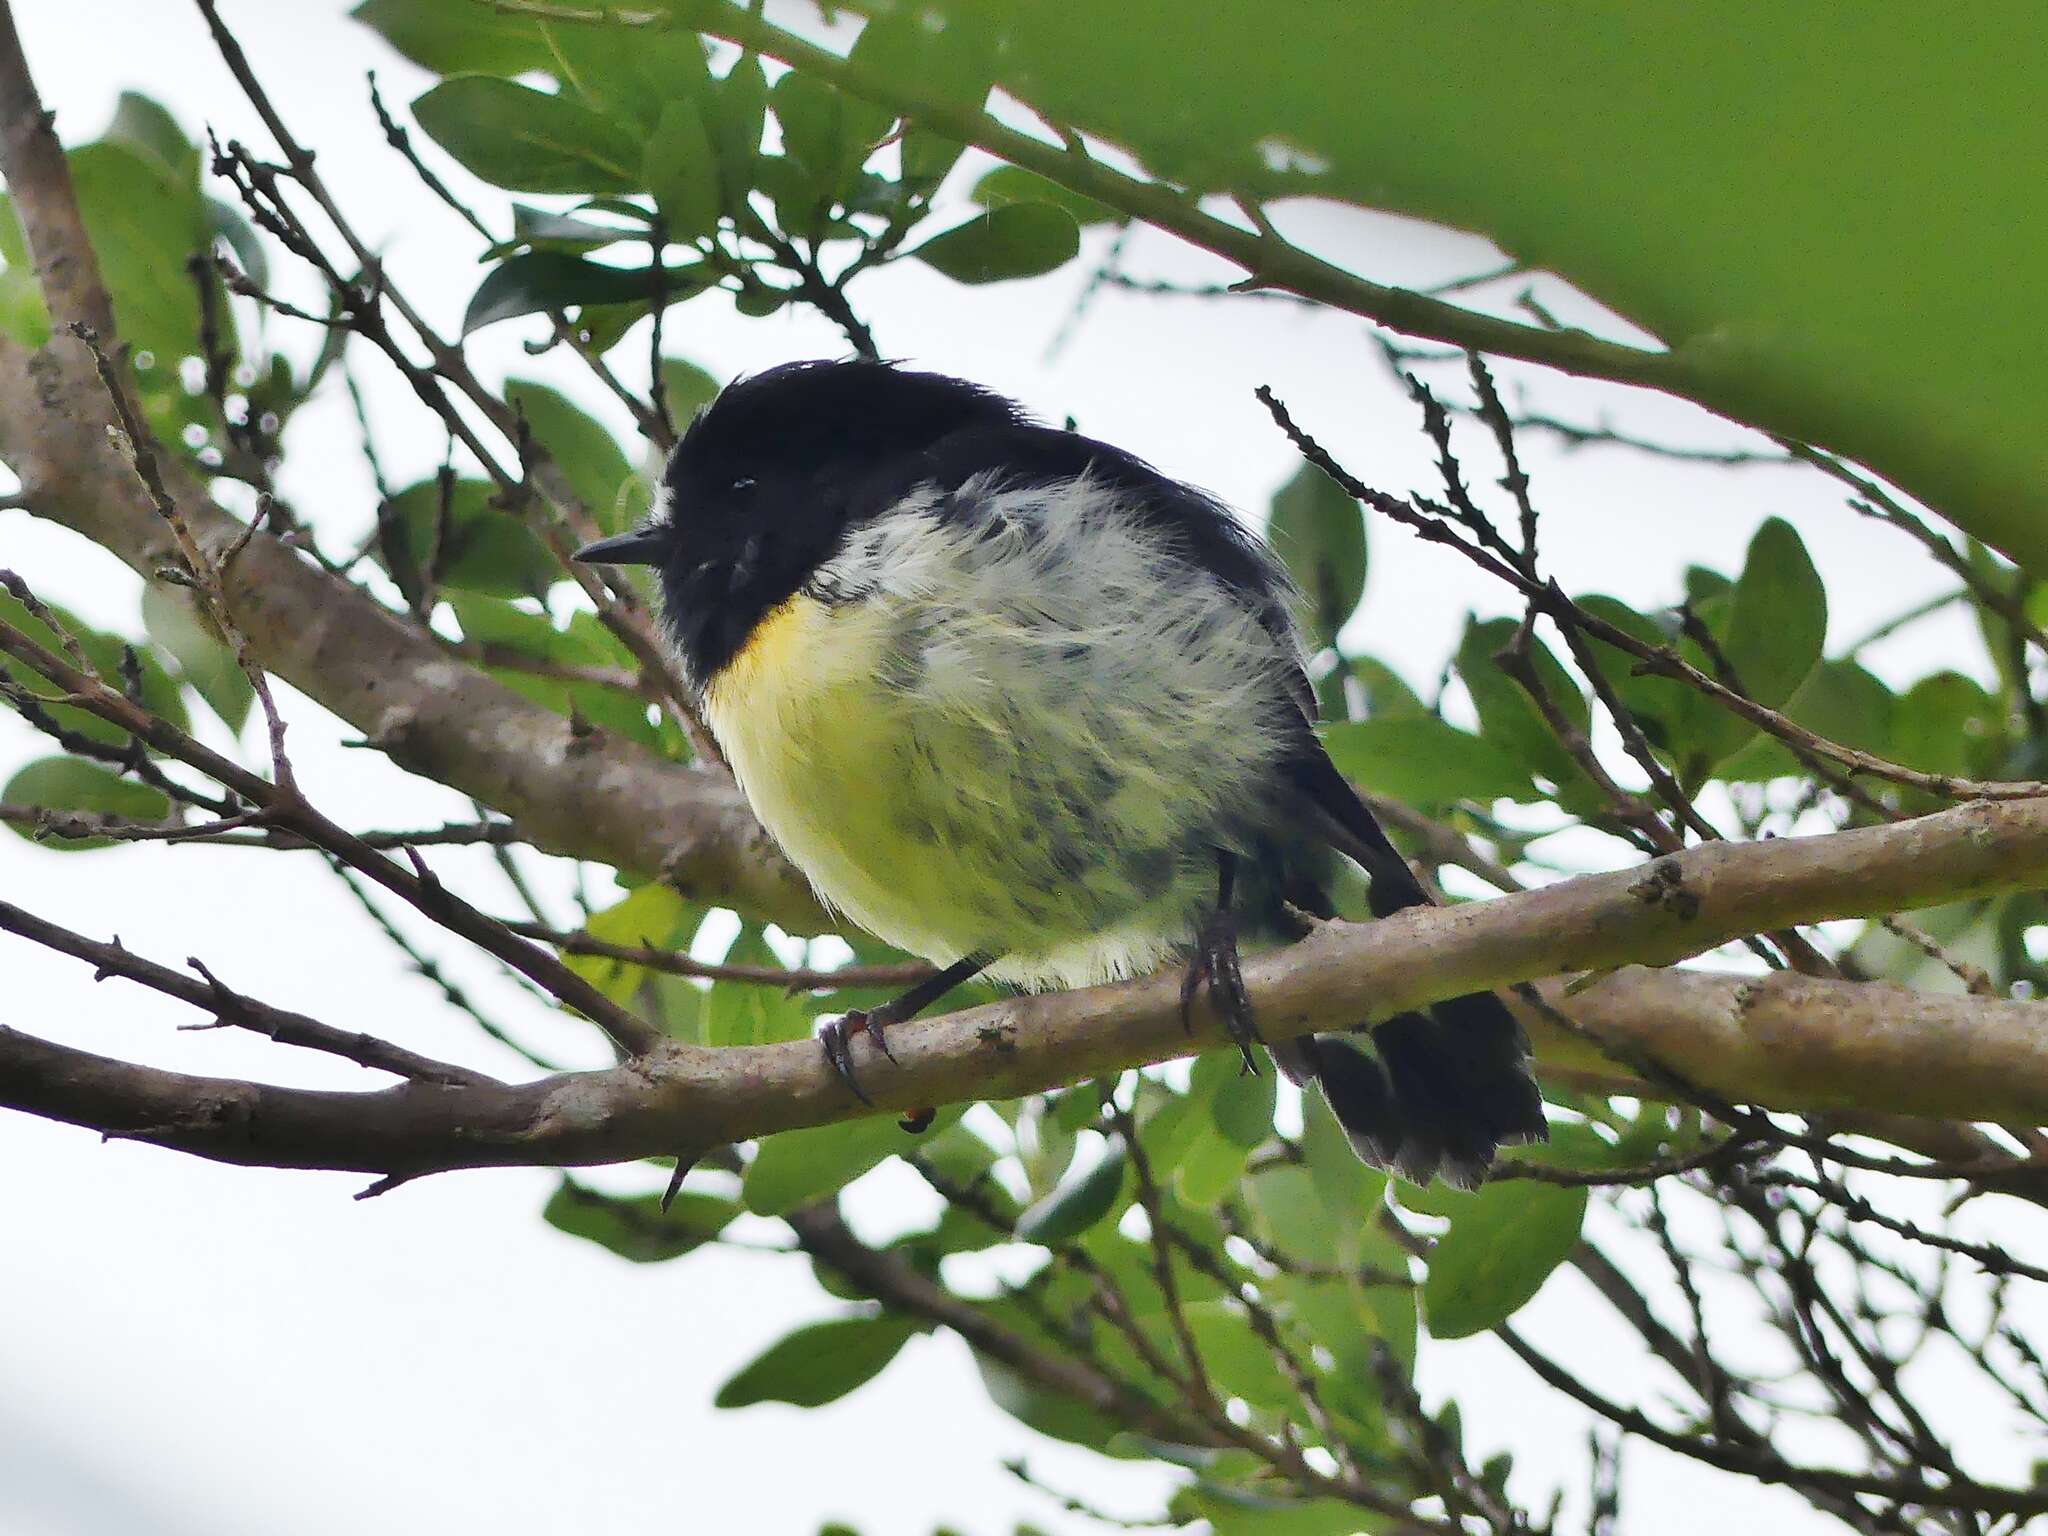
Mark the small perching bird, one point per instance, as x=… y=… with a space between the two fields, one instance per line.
x=1016 y=702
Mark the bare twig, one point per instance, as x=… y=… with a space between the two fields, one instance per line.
x=228 y=1006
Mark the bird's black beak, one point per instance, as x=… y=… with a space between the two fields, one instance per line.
x=643 y=546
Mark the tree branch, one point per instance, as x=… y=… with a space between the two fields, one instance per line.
x=581 y=792
x=281 y=802
x=39 y=181
x=204 y=990
x=1783 y=1041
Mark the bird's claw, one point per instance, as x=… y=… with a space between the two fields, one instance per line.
x=1215 y=962
x=833 y=1036
x=836 y=1037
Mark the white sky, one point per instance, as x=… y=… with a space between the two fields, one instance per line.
x=195 y=1348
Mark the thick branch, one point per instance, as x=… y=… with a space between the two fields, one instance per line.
x=583 y=792
x=67 y=271
x=575 y=791
x=1783 y=1041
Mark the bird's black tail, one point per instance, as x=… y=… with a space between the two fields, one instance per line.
x=1441 y=1089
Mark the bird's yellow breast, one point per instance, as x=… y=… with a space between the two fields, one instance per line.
x=816 y=741
x=776 y=659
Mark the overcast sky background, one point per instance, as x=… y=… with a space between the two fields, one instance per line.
x=190 y=1348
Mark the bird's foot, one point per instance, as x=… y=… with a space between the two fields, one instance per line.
x=1215 y=962
x=837 y=1039
x=836 y=1036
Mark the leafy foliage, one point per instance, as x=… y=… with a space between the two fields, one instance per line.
x=671 y=155
x=1547 y=133
x=1172 y=1232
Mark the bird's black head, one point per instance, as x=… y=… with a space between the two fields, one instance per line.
x=765 y=483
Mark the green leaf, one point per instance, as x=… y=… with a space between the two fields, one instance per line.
x=1658 y=705
x=960 y=1156
x=1236 y=1512
x=740 y=1013
x=1242 y=1107
x=1509 y=719
x=927 y=157
x=1319 y=532
x=1351 y=1192
x=1238 y=1360
x=483 y=549
x=583 y=642
x=818 y=1364
x=1942 y=723
x=1386 y=693
x=540 y=229
x=457 y=36
x=827 y=132
x=144 y=126
x=631 y=74
x=952 y=59
x=1840 y=701
x=794 y=1168
x=1008 y=184
x=524 y=140
x=1077 y=1108
x=686 y=388
x=757 y=301
x=1423 y=761
x=1050 y=1413
x=1018 y=240
x=1780 y=615
x=1840 y=154
x=680 y=168
x=1228 y=1112
x=635 y=1227
x=73 y=784
x=203 y=659
x=107 y=653
x=1079 y=1202
x=738 y=113
x=1770 y=630
x=587 y=453
x=1504 y=1241
x=1289 y=1215
x=655 y=914
x=538 y=282
x=1348 y=1319
x=1045 y=1149
x=145 y=218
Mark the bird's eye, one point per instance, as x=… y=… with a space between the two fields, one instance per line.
x=744 y=483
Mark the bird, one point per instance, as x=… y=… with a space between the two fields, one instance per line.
x=1019 y=703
